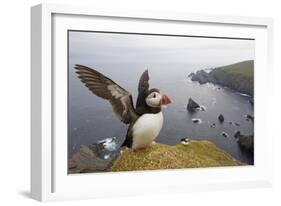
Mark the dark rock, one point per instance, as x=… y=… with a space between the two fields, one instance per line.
x=196 y=120
x=246 y=143
x=86 y=160
x=237 y=134
x=191 y=75
x=201 y=76
x=213 y=125
x=251 y=102
x=202 y=108
x=192 y=105
x=250 y=117
x=224 y=134
x=236 y=124
x=221 y=118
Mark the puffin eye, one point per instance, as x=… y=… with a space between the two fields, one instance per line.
x=154 y=95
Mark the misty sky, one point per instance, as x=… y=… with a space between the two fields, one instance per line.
x=89 y=47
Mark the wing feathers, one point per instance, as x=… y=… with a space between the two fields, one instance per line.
x=142 y=89
x=102 y=86
x=143 y=82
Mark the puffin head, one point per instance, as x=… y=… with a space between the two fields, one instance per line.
x=156 y=99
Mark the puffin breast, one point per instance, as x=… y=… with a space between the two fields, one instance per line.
x=146 y=129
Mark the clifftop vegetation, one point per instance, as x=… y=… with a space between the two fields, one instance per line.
x=239 y=76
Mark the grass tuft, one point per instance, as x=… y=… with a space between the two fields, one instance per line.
x=160 y=156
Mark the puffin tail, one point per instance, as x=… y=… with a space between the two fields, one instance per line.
x=125 y=143
x=129 y=139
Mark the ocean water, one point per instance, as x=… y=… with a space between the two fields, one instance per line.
x=91 y=119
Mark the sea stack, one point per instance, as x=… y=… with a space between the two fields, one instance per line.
x=192 y=105
x=221 y=118
x=246 y=143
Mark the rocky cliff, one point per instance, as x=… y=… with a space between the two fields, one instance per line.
x=239 y=76
x=194 y=154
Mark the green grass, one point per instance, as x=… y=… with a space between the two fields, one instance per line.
x=244 y=69
x=239 y=76
x=196 y=154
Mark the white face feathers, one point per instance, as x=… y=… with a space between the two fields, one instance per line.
x=154 y=99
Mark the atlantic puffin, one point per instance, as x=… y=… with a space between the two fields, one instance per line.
x=145 y=120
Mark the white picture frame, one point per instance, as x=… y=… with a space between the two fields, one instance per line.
x=49 y=179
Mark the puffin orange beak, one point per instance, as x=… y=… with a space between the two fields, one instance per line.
x=165 y=100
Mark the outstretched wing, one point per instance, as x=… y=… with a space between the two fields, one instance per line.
x=120 y=99
x=142 y=89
